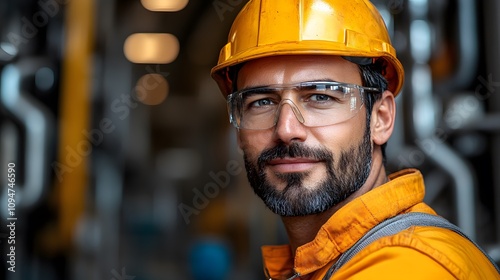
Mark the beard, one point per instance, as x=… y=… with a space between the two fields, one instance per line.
x=342 y=178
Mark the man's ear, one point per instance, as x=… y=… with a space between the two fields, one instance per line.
x=383 y=118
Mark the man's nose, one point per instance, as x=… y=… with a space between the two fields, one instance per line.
x=293 y=107
x=289 y=123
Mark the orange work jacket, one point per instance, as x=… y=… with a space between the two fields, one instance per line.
x=418 y=252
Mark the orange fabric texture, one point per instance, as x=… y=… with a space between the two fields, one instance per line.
x=415 y=253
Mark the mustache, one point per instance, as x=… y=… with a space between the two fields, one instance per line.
x=294 y=150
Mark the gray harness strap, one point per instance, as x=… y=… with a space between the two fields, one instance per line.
x=394 y=225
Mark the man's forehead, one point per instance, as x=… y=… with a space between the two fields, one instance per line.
x=295 y=69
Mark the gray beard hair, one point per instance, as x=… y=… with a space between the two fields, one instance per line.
x=343 y=178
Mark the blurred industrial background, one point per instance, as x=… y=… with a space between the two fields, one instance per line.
x=126 y=166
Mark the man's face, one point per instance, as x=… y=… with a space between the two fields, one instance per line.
x=298 y=170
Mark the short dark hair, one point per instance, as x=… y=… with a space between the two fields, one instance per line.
x=372 y=75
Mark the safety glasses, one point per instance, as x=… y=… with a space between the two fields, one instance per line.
x=317 y=103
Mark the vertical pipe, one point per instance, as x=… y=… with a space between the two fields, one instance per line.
x=468 y=48
x=492 y=38
x=424 y=116
x=74 y=148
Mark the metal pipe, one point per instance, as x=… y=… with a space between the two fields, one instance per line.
x=463 y=183
x=468 y=49
x=39 y=125
x=492 y=44
x=425 y=115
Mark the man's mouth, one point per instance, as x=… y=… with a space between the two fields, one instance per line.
x=292 y=165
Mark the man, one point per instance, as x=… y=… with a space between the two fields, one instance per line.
x=310 y=88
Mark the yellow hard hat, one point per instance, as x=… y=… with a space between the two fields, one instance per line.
x=265 y=28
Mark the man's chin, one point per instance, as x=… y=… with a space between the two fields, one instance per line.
x=296 y=212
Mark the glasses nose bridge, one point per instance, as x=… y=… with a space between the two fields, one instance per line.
x=293 y=106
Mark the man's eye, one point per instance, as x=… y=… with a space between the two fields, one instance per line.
x=322 y=98
x=261 y=102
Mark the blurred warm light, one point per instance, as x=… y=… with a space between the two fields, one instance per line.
x=151 y=48
x=151 y=89
x=164 y=5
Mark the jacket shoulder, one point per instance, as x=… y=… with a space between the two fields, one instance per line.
x=420 y=252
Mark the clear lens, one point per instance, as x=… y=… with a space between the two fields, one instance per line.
x=313 y=103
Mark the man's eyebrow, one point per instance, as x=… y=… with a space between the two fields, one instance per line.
x=256 y=87
x=308 y=81
x=323 y=80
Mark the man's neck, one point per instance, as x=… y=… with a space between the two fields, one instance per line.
x=302 y=230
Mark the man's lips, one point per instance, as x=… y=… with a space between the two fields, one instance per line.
x=288 y=165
